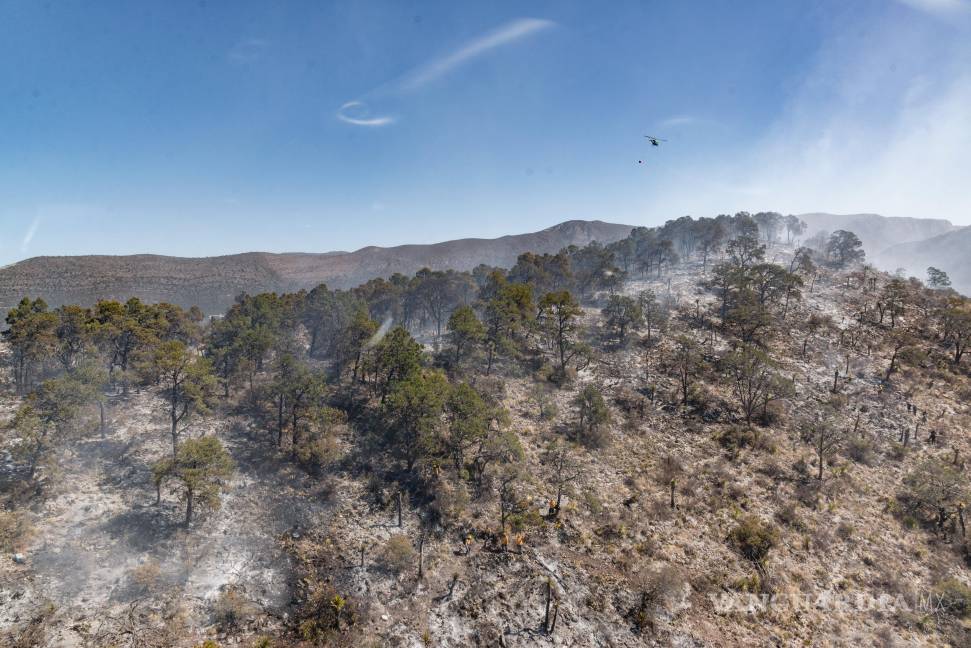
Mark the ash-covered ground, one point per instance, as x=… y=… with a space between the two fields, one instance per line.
x=100 y=546
x=629 y=559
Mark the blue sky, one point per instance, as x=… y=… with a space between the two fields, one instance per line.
x=208 y=128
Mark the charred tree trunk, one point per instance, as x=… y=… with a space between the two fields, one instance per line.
x=104 y=421
x=188 y=506
x=279 y=421
x=421 y=555
x=175 y=419
x=549 y=601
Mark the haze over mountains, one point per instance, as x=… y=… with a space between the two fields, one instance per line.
x=213 y=282
x=878 y=232
x=949 y=252
x=909 y=243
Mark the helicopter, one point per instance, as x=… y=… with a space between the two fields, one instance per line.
x=655 y=141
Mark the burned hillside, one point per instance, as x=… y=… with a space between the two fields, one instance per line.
x=706 y=433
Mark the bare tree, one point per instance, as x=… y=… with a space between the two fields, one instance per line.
x=936 y=491
x=750 y=370
x=564 y=470
x=510 y=501
x=686 y=364
x=825 y=438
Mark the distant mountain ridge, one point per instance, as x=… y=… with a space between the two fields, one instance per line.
x=948 y=252
x=878 y=232
x=909 y=243
x=213 y=282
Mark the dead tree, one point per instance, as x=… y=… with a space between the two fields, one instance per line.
x=549 y=601
x=563 y=471
x=421 y=555
x=398 y=504
x=825 y=439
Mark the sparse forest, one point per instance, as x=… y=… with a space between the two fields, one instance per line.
x=595 y=447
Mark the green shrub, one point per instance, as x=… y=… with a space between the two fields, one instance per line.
x=955 y=597
x=325 y=614
x=316 y=452
x=751 y=583
x=753 y=538
x=521 y=521
x=546 y=408
x=592 y=418
x=736 y=437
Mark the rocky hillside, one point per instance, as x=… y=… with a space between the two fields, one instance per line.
x=212 y=283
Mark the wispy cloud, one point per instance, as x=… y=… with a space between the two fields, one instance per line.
x=29 y=235
x=938 y=7
x=915 y=165
x=358 y=113
x=508 y=33
x=879 y=124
